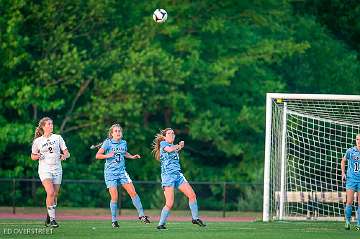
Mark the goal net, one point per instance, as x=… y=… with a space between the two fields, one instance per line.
x=306 y=137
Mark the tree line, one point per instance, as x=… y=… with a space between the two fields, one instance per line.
x=204 y=72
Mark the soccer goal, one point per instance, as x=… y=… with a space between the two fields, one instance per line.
x=306 y=137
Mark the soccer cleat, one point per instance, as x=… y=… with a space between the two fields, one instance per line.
x=115 y=224
x=161 y=227
x=347 y=226
x=198 y=222
x=47 y=220
x=357 y=228
x=54 y=224
x=144 y=219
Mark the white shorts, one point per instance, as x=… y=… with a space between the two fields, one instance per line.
x=55 y=177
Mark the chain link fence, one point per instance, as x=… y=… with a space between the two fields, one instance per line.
x=212 y=196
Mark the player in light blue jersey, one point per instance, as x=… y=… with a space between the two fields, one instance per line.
x=114 y=151
x=167 y=153
x=352 y=178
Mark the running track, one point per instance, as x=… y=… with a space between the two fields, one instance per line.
x=60 y=217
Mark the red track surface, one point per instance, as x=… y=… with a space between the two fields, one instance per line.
x=60 y=217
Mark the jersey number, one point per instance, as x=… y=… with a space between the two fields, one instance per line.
x=117 y=157
x=51 y=150
x=356 y=167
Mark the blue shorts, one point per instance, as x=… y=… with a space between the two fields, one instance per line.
x=172 y=180
x=114 y=180
x=353 y=185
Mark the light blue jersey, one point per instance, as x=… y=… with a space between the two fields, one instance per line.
x=169 y=161
x=116 y=164
x=352 y=156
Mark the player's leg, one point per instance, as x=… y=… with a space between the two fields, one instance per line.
x=45 y=176
x=50 y=195
x=130 y=189
x=358 y=210
x=57 y=178
x=56 y=193
x=348 y=206
x=112 y=187
x=186 y=188
x=169 y=202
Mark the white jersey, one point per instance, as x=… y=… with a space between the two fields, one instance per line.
x=49 y=149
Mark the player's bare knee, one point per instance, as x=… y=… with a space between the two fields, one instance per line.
x=192 y=197
x=50 y=194
x=114 y=197
x=169 y=205
x=132 y=193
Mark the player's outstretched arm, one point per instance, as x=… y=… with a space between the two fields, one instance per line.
x=130 y=156
x=176 y=147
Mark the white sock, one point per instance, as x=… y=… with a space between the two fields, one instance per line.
x=51 y=212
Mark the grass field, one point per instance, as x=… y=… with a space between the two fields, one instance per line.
x=219 y=230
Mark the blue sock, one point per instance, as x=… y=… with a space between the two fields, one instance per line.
x=137 y=203
x=194 y=210
x=348 y=211
x=113 y=208
x=164 y=214
x=358 y=216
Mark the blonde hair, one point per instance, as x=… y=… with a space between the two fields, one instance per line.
x=39 y=131
x=111 y=130
x=156 y=143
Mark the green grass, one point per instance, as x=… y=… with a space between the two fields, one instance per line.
x=218 y=230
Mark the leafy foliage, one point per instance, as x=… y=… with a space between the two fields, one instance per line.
x=205 y=72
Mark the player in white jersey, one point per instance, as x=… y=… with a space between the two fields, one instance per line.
x=49 y=149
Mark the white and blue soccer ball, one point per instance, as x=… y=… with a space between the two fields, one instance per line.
x=160 y=15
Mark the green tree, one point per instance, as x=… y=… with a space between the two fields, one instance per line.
x=205 y=72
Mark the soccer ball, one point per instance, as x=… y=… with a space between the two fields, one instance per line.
x=160 y=15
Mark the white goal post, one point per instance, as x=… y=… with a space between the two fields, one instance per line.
x=306 y=137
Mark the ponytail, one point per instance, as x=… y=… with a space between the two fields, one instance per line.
x=39 y=131
x=156 y=143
